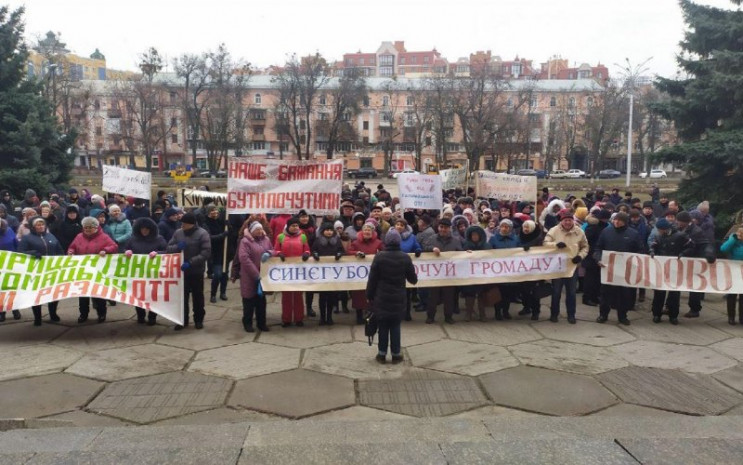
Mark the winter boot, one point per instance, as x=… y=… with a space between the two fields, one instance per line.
x=731 y=311
x=359 y=317
x=16 y=314
x=469 y=308
x=498 y=313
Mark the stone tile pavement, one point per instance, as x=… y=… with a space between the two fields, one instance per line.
x=120 y=373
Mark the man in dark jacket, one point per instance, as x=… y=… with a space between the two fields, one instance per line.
x=597 y=222
x=668 y=243
x=442 y=242
x=385 y=289
x=619 y=238
x=145 y=239
x=39 y=243
x=168 y=223
x=703 y=248
x=196 y=246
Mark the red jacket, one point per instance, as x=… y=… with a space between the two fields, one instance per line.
x=291 y=246
x=370 y=247
x=277 y=225
x=89 y=245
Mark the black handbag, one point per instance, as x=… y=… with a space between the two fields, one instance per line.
x=370 y=326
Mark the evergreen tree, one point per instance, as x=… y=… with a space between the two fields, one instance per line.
x=706 y=105
x=33 y=152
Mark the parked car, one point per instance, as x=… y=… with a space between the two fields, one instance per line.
x=654 y=174
x=367 y=173
x=558 y=174
x=576 y=174
x=608 y=174
x=541 y=174
x=395 y=175
x=212 y=174
x=526 y=173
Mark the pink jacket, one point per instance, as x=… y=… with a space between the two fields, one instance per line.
x=89 y=245
x=249 y=254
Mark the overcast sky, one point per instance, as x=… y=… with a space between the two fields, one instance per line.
x=265 y=32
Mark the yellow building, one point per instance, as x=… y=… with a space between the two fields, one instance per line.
x=50 y=53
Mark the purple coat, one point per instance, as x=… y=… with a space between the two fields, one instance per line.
x=249 y=254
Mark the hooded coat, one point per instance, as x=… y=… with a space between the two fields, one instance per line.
x=385 y=289
x=66 y=230
x=249 y=253
x=152 y=242
x=7 y=215
x=327 y=247
x=40 y=245
x=533 y=239
x=409 y=242
x=198 y=248
x=8 y=239
x=353 y=231
x=548 y=218
x=120 y=229
x=481 y=244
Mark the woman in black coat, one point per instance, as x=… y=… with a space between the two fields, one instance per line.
x=146 y=239
x=40 y=243
x=387 y=294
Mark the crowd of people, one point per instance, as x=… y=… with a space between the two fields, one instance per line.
x=372 y=224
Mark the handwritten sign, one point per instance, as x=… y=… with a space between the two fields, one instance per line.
x=504 y=186
x=420 y=191
x=123 y=181
x=453 y=178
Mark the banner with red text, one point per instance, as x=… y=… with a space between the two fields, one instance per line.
x=672 y=274
x=420 y=191
x=448 y=269
x=284 y=186
x=151 y=283
x=503 y=186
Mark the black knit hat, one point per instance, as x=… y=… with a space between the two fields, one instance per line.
x=188 y=218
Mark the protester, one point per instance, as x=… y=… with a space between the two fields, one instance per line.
x=566 y=235
x=367 y=243
x=703 y=248
x=327 y=244
x=733 y=247
x=668 y=243
x=442 y=242
x=8 y=242
x=531 y=235
x=385 y=289
x=92 y=241
x=292 y=243
x=168 y=224
x=196 y=246
x=253 y=249
x=217 y=228
x=145 y=240
x=120 y=229
x=476 y=239
x=505 y=238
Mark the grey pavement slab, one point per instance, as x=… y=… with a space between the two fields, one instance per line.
x=422 y=396
x=153 y=398
x=171 y=437
x=108 y=335
x=36 y=360
x=554 y=452
x=191 y=456
x=219 y=416
x=353 y=360
x=465 y=358
x=692 y=359
x=592 y=334
x=352 y=454
x=697 y=451
x=386 y=432
x=131 y=362
x=27 y=334
x=567 y=356
x=671 y=390
x=631 y=410
x=413 y=333
x=732 y=347
x=14 y=459
x=722 y=325
x=358 y=413
x=492 y=411
x=286 y=393
x=245 y=360
x=304 y=338
x=501 y=333
x=83 y=418
x=689 y=331
x=732 y=377
x=546 y=391
x=215 y=334
x=48 y=440
x=736 y=411
x=40 y=396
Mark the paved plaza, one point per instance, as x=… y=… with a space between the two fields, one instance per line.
x=95 y=378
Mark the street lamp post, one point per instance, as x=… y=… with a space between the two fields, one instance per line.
x=629 y=138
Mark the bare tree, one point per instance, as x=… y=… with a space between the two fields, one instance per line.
x=418 y=118
x=604 y=122
x=344 y=103
x=442 y=106
x=390 y=121
x=192 y=70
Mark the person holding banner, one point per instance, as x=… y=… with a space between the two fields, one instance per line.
x=253 y=249
x=89 y=242
x=327 y=244
x=408 y=244
x=218 y=232
x=8 y=242
x=292 y=243
x=486 y=294
x=733 y=246
x=145 y=240
x=39 y=243
x=442 y=242
x=385 y=289
x=668 y=243
x=566 y=235
x=196 y=246
x=367 y=243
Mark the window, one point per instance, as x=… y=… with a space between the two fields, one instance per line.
x=413 y=60
x=323 y=100
x=571 y=102
x=553 y=101
x=386 y=71
x=97 y=104
x=428 y=141
x=534 y=117
x=259 y=145
x=174 y=138
x=98 y=131
x=173 y=122
x=386 y=60
x=302 y=124
x=534 y=102
x=283 y=146
x=155 y=162
x=257 y=99
x=410 y=101
x=366 y=125
x=386 y=101
x=173 y=98
x=509 y=103
x=361 y=61
x=258 y=130
x=385 y=116
x=425 y=60
x=323 y=116
x=365 y=140
x=258 y=114
x=589 y=102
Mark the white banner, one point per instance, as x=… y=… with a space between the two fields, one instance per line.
x=150 y=283
x=420 y=191
x=137 y=184
x=504 y=186
x=281 y=186
x=453 y=178
x=195 y=198
x=672 y=274
x=449 y=269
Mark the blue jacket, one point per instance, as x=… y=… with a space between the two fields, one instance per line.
x=504 y=242
x=733 y=247
x=409 y=243
x=40 y=245
x=8 y=240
